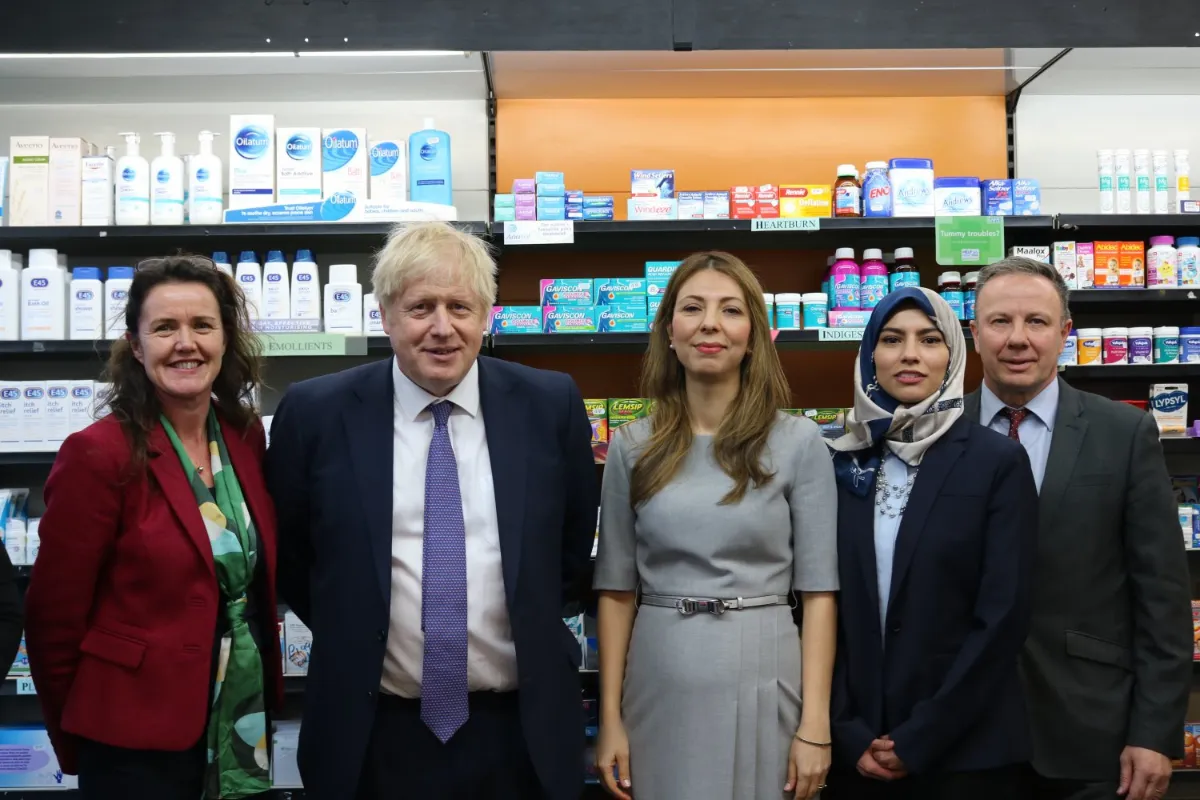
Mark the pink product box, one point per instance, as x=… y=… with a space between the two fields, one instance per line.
x=525 y=201
x=525 y=212
x=524 y=186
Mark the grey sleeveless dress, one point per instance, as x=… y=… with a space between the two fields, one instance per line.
x=711 y=703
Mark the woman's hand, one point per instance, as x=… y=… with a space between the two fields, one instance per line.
x=807 y=767
x=612 y=750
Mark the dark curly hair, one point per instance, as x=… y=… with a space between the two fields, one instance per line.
x=132 y=397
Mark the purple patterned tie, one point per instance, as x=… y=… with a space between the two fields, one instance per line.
x=443 y=587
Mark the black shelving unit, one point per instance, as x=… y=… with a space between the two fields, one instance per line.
x=100 y=349
x=1162 y=372
x=1166 y=224
x=26 y=459
x=1129 y=297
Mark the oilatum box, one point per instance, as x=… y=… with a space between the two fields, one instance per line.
x=619 y=291
x=515 y=319
x=597 y=411
x=623 y=410
x=569 y=319
x=621 y=319
x=567 y=292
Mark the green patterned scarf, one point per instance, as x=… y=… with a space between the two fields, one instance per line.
x=238 y=764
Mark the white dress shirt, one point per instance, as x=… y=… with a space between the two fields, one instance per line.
x=491 y=655
x=1035 y=430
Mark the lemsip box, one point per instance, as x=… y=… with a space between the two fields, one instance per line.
x=344 y=162
x=251 y=160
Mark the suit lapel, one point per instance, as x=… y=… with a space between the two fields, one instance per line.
x=936 y=467
x=370 y=438
x=972 y=405
x=1070 y=427
x=248 y=470
x=504 y=423
x=164 y=463
x=859 y=518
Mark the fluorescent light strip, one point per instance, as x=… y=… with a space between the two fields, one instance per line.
x=108 y=56
x=378 y=53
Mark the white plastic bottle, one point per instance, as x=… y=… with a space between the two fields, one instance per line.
x=167 y=177
x=1162 y=177
x=116 y=295
x=276 y=291
x=372 y=319
x=306 y=287
x=221 y=261
x=1141 y=172
x=133 y=184
x=43 y=298
x=1183 y=178
x=1122 y=168
x=87 y=304
x=1104 y=168
x=249 y=277
x=205 y=184
x=343 y=301
x=10 y=298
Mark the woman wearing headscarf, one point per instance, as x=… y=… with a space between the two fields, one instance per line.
x=937 y=518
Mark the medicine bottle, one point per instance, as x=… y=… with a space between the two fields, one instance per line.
x=906 y=273
x=950 y=287
x=847 y=193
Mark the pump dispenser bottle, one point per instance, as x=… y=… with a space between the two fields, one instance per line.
x=204 y=184
x=133 y=184
x=166 y=180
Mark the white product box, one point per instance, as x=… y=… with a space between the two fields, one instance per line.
x=691 y=205
x=29 y=180
x=56 y=422
x=33 y=416
x=11 y=417
x=1168 y=404
x=344 y=162
x=389 y=169
x=1037 y=253
x=285 y=742
x=96 y=191
x=30 y=762
x=298 y=645
x=251 y=160
x=16 y=540
x=652 y=208
x=298 y=164
x=82 y=410
x=66 y=180
x=1066 y=261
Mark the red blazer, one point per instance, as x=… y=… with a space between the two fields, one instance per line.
x=121 y=611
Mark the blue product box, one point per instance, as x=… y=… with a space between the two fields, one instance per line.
x=1027 y=197
x=691 y=205
x=574 y=195
x=575 y=213
x=504 y=201
x=597 y=213
x=597 y=201
x=569 y=319
x=502 y=214
x=515 y=319
x=552 y=214
x=619 y=291
x=567 y=292
x=997 y=197
x=621 y=319
x=549 y=177
x=552 y=203
x=551 y=190
x=658 y=274
x=652 y=183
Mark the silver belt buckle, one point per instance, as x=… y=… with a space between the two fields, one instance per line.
x=687 y=606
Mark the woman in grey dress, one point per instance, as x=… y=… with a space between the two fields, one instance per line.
x=714 y=511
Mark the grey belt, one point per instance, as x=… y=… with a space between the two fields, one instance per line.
x=711 y=605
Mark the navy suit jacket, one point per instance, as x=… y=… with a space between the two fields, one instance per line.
x=941 y=678
x=329 y=470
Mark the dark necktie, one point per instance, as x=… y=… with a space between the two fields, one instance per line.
x=443 y=588
x=1015 y=417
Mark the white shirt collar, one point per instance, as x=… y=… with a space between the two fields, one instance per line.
x=412 y=400
x=1044 y=406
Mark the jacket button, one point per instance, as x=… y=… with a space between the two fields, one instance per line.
x=896 y=628
x=370 y=693
x=382 y=635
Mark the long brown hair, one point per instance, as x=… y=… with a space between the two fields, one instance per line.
x=742 y=436
x=132 y=397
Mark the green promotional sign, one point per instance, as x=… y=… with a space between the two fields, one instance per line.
x=312 y=344
x=969 y=241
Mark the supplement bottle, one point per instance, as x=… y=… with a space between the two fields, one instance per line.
x=845 y=281
x=906 y=273
x=877 y=190
x=1104 y=166
x=847 y=193
x=1166 y=345
x=787 y=311
x=1161 y=262
x=1183 y=180
x=874 y=279
x=1123 y=168
x=1069 y=356
x=1189 y=345
x=816 y=310
x=1141 y=345
x=1141 y=173
x=950 y=287
x=1115 y=345
x=1091 y=344
x=1188 y=261
x=969 y=295
x=1162 y=177
x=768 y=301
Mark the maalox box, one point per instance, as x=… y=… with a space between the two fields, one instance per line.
x=515 y=319
x=569 y=319
x=567 y=292
x=617 y=291
x=621 y=319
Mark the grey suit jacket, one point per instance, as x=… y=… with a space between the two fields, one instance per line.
x=1108 y=662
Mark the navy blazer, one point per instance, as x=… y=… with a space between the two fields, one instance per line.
x=329 y=469
x=942 y=677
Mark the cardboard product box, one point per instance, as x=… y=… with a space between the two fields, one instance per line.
x=1107 y=265
x=597 y=411
x=1132 y=264
x=1168 y=404
x=623 y=410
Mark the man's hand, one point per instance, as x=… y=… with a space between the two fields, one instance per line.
x=868 y=767
x=883 y=750
x=1145 y=774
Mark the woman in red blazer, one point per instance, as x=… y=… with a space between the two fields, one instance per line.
x=151 y=622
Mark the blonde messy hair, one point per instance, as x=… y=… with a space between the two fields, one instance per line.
x=435 y=250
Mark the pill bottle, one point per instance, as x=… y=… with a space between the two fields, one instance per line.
x=906 y=272
x=1091 y=344
x=950 y=287
x=1189 y=345
x=1162 y=262
x=1104 y=165
x=1115 y=345
x=787 y=311
x=1187 y=265
x=847 y=192
x=1166 y=345
x=1141 y=345
x=971 y=278
x=769 y=301
x=816 y=310
x=1069 y=357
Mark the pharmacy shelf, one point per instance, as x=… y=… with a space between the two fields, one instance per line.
x=1165 y=224
x=1132 y=372
x=26 y=459
x=47 y=793
x=157 y=240
x=1091 y=297
x=369 y=346
x=736 y=234
x=1188 y=446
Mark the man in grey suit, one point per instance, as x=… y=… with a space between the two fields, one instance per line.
x=1107 y=666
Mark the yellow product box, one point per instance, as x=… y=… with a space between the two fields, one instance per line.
x=1133 y=264
x=831 y=421
x=622 y=410
x=597 y=411
x=1107 y=265
x=808 y=200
